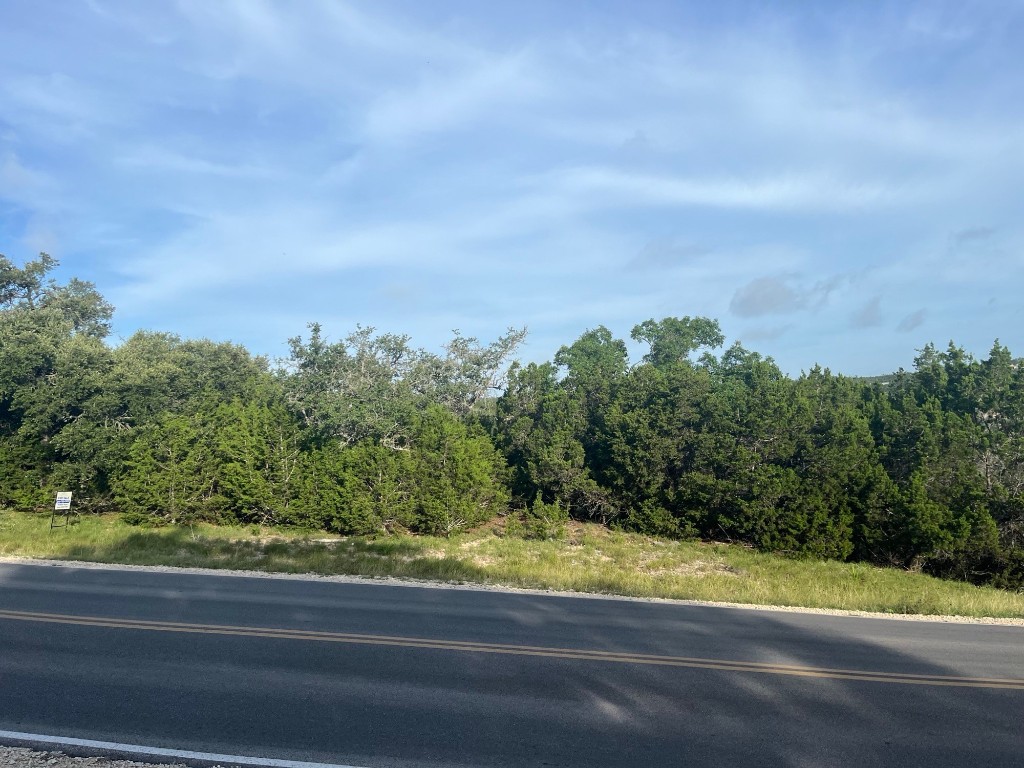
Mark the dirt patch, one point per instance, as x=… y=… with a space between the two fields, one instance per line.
x=577 y=554
x=693 y=568
x=579 y=533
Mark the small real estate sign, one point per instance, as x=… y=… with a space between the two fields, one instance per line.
x=63 y=504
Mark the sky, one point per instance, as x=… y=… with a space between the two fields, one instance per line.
x=837 y=183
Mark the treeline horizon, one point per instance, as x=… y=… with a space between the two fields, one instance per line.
x=369 y=435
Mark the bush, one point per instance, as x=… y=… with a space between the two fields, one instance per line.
x=545 y=521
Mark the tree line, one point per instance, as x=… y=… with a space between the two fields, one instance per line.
x=369 y=434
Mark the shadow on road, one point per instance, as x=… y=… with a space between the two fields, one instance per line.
x=375 y=704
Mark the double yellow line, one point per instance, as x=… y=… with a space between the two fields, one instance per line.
x=520 y=650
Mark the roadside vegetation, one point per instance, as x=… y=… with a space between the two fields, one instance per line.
x=694 y=445
x=583 y=557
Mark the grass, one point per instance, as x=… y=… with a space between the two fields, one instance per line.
x=590 y=559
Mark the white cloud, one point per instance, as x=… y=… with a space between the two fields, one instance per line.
x=157 y=161
x=454 y=100
x=508 y=167
x=795 y=192
x=57 y=96
x=16 y=178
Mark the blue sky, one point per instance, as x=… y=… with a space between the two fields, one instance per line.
x=836 y=183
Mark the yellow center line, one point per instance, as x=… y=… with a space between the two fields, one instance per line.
x=520 y=650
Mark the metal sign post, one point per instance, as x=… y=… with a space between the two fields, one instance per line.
x=63 y=504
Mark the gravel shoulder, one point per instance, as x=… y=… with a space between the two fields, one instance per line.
x=391 y=581
x=20 y=757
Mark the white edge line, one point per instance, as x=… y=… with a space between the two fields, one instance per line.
x=184 y=754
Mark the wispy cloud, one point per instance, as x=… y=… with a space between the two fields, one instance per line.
x=971 y=235
x=766 y=296
x=665 y=253
x=766 y=333
x=455 y=101
x=869 y=315
x=236 y=168
x=160 y=161
x=802 y=192
x=781 y=296
x=59 y=103
x=20 y=182
x=912 y=321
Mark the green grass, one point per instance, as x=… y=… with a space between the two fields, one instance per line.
x=589 y=559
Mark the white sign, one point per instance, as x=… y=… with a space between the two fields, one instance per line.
x=63 y=500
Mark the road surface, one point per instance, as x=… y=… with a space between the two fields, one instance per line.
x=384 y=675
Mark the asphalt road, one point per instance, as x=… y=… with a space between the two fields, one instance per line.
x=376 y=675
